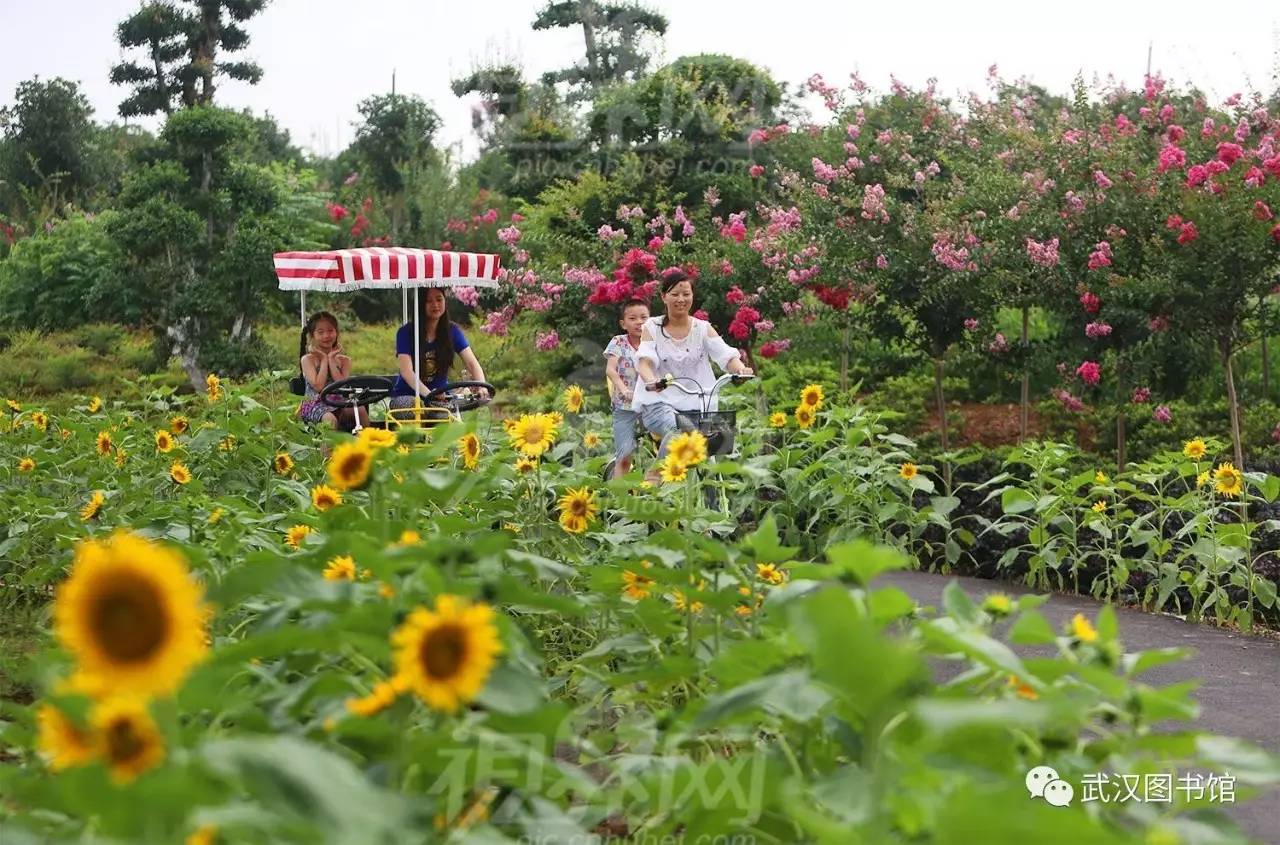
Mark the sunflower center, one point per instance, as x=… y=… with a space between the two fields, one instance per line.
x=352 y=466
x=443 y=651
x=578 y=507
x=123 y=742
x=533 y=434
x=128 y=620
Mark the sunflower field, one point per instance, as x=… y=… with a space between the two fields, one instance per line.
x=240 y=632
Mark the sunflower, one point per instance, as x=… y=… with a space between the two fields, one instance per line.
x=282 y=463
x=94 y=505
x=1194 y=449
x=103 y=443
x=205 y=834
x=688 y=448
x=533 y=434
x=525 y=465
x=1202 y=479
x=383 y=696
x=805 y=415
x=908 y=471
x=590 y=440
x=61 y=742
x=216 y=515
x=770 y=573
x=577 y=508
x=13 y=406
x=95 y=405
x=377 y=438
x=324 y=497
x=998 y=604
x=573 y=399
x=213 y=387
x=385 y=590
x=26 y=465
x=637 y=585
x=131 y=616
x=179 y=473
x=349 y=465
x=1100 y=477
x=683 y=604
x=556 y=418
x=228 y=443
x=179 y=424
x=164 y=441
x=812 y=395
x=1228 y=480
x=127 y=736
x=295 y=535
x=1082 y=629
x=40 y=420
x=121 y=454
x=777 y=420
x=469 y=449
x=64 y=433
x=672 y=470
x=445 y=655
x=409 y=537
x=1022 y=689
x=341 y=568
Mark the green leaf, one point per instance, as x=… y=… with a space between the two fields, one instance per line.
x=958 y=604
x=1031 y=628
x=864 y=561
x=511 y=691
x=1016 y=500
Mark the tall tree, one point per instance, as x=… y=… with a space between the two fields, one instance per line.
x=182 y=45
x=46 y=156
x=614 y=38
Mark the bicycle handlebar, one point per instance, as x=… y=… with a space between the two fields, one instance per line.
x=705 y=395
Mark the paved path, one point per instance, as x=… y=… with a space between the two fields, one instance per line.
x=1239 y=675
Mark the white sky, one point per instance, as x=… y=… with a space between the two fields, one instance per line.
x=321 y=57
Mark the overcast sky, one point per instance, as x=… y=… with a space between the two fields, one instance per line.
x=321 y=57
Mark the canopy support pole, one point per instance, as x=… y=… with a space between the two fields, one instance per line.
x=417 y=356
x=302 y=309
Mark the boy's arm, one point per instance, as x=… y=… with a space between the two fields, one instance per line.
x=615 y=378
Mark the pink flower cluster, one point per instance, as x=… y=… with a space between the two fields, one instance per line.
x=1101 y=256
x=950 y=255
x=1044 y=254
x=873 y=207
x=498 y=323
x=1187 y=231
x=772 y=348
x=971 y=324
x=467 y=295
x=1097 y=330
x=823 y=172
x=1070 y=402
x=1090 y=302
x=1089 y=372
x=1141 y=395
x=1172 y=156
x=999 y=345
x=336 y=212
x=1100 y=179
x=609 y=234
x=743 y=321
x=736 y=228
x=546 y=341
x=509 y=235
x=755 y=171
x=682 y=220
x=1162 y=414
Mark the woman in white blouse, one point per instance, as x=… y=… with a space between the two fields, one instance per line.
x=680 y=345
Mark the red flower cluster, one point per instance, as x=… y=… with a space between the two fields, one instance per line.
x=636 y=266
x=740 y=328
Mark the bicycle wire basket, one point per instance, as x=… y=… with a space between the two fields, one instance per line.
x=718 y=427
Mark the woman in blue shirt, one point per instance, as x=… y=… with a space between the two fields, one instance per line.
x=440 y=344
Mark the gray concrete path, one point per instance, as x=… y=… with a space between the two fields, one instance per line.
x=1239 y=675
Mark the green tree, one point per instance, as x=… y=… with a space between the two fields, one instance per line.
x=614 y=35
x=182 y=44
x=47 y=152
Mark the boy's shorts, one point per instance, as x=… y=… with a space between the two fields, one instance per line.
x=624 y=433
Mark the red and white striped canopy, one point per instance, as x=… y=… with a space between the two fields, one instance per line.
x=385 y=267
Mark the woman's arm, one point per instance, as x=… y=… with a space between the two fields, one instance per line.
x=729 y=359
x=406 y=373
x=474 y=371
x=645 y=364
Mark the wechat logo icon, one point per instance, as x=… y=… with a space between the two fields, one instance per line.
x=1043 y=782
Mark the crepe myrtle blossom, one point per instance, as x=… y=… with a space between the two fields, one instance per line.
x=971 y=324
x=467 y=295
x=999 y=345
x=546 y=341
x=1171 y=157
x=1044 y=254
x=1069 y=401
x=498 y=323
x=755 y=171
x=1261 y=211
x=609 y=234
x=1141 y=395
x=1254 y=177
x=772 y=348
x=1158 y=323
x=1101 y=256
x=1089 y=372
x=736 y=228
x=1100 y=179
x=1093 y=331
x=873 y=207
x=1162 y=414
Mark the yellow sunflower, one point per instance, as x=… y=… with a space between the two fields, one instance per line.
x=341 y=568
x=13 y=406
x=95 y=405
x=1082 y=629
x=573 y=399
x=688 y=448
x=637 y=586
x=469 y=449
x=409 y=537
x=1100 y=477
x=525 y=465
x=179 y=473
x=349 y=465
x=40 y=420
x=131 y=615
x=121 y=454
x=812 y=395
x=216 y=516
x=777 y=420
x=61 y=742
x=282 y=463
x=770 y=573
x=908 y=471
x=805 y=415
x=324 y=497
x=1194 y=449
x=533 y=434
x=384 y=694
x=377 y=438
x=1100 y=506
x=295 y=535
x=26 y=465
x=998 y=604
x=1228 y=480
x=213 y=387
x=104 y=443
x=205 y=834
x=228 y=443
x=179 y=424
x=1202 y=479
x=94 y=505
x=577 y=508
x=445 y=655
x=127 y=736
x=164 y=441
x=683 y=604
x=590 y=440
x=1022 y=689
x=672 y=470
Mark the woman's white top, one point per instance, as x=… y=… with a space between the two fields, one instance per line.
x=688 y=358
